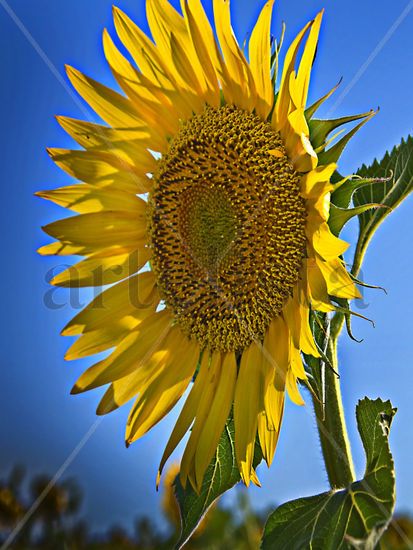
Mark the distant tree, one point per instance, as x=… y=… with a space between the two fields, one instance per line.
x=55 y=524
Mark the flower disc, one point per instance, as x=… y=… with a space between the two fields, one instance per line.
x=227 y=227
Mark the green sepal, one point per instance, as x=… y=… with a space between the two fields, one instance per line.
x=340 y=216
x=336 y=178
x=366 y=285
x=312 y=109
x=321 y=129
x=342 y=306
x=333 y=153
x=354 y=517
x=317 y=322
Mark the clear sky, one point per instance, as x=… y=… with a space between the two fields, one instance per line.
x=41 y=424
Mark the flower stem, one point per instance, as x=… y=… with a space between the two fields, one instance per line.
x=331 y=424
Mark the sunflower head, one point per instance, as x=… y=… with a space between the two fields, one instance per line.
x=218 y=246
x=227 y=227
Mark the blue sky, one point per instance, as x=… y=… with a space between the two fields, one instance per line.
x=41 y=423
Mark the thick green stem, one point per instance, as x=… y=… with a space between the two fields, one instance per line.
x=331 y=424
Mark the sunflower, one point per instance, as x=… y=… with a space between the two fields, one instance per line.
x=204 y=202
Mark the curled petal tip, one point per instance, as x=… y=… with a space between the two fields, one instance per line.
x=75 y=390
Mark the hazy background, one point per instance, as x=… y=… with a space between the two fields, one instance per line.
x=40 y=423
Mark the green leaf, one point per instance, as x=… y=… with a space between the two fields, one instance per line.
x=354 y=517
x=221 y=475
x=333 y=153
x=396 y=169
x=346 y=187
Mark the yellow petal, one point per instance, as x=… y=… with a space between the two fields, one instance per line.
x=277 y=344
x=99 y=230
x=307 y=344
x=154 y=66
x=277 y=351
x=317 y=288
x=283 y=104
x=163 y=19
x=107 y=267
x=100 y=169
x=107 y=337
x=129 y=79
x=274 y=406
x=166 y=388
x=317 y=182
x=276 y=153
x=94 y=342
x=140 y=379
x=209 y=390
x=60 y=249
x=121 y=66
x=217 y=417
x=254 y=478
x=291 y=313
x=211 y=50
x=142 y=50
x=326 y=244
x=292 y=388
x=141 y=349
x=243 y=86
x=268 y=438
x=297 y=142
x=126 y=144
x=297 y=316
x=188 y=412
x=85 y=198
x=200 y=41
x=306 y=63
x=319 y=209
x=150 y=105
x=184 y=65
x=123 y=390
x=276 y=355
x=248 y=403
x=296 y=313
x=296 y=363
x=130 y=297
x=112 y=107
x=171 y=36
x=260 y=60
x=338 y=281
